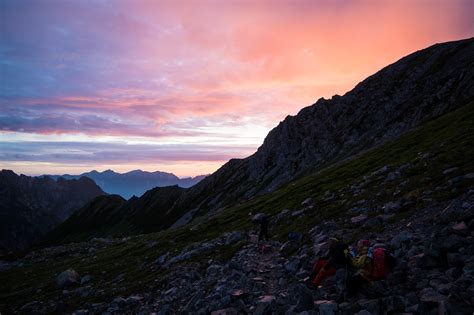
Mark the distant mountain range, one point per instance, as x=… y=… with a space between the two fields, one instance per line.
x=32 y=206
x=133 y=183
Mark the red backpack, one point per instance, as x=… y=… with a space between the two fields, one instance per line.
x=379 y=264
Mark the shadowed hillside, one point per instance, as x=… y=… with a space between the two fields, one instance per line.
x=31 y=207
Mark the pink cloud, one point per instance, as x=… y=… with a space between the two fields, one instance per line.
x=169 y=70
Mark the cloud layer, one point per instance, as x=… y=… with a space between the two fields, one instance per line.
x=193 y=76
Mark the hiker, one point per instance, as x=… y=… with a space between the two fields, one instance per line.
x=263 y=235
x=326 y=266
x=262 y=220
x=371 y=264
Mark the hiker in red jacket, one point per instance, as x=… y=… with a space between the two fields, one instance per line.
x=326 y=266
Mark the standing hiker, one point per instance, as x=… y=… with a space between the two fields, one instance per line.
x=262 y=220
x=263 y=235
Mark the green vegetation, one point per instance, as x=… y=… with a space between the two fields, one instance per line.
x=448 y=140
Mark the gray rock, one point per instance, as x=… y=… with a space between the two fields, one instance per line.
x=133 y=300
x=456 y=260
x=450 y=170
x=119 y=302
x=452 y=242
x=162 y=259
x=265 y=305
x=376 y=221
x=297 y=213
x=392 y=206
x=429 y=295
x=394 y=304
x=305 y=301
x=293 y=264
x=461 y=228
x=165 y=310
x=86 y=279
x=372 y=306
x=454 y=272
x=393 y=176
x=327 y=307
x=380 y=171
x=400 y=238
x=213 y=270
x=67 y=278
x=288 y=248
x=226 y=311
x=307 y=202
x=233 y=237
x=359 y=219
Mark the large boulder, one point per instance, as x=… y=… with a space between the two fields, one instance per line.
x=265 y=305
x=68 y=278
x=327 y=307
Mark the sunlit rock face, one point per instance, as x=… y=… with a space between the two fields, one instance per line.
x=416 y=89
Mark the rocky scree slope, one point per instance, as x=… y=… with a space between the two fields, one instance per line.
x=414 y=90
x=415 y=194
x=30 y=206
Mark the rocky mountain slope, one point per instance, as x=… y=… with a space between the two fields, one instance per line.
x=133 y=183
x=406 y=94
x=414 y=195
x=414 y=90
x=30 y=206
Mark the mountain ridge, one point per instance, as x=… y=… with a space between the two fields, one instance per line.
x=133 y=183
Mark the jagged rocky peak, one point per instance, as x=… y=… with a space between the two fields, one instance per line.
x=413 y=90
x=401 y=96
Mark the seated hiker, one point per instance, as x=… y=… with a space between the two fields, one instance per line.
x=371 y=263
x=362 y=264
x=337 y=257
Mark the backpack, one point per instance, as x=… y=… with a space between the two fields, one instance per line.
x=379 y=263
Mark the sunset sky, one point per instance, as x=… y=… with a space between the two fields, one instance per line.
x=183 y=86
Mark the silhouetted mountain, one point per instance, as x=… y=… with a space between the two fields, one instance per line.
x=32 y=206
x=113 y=215
x=133 y=183
x=398 y=98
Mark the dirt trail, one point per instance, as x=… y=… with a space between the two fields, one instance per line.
x=265 y=266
